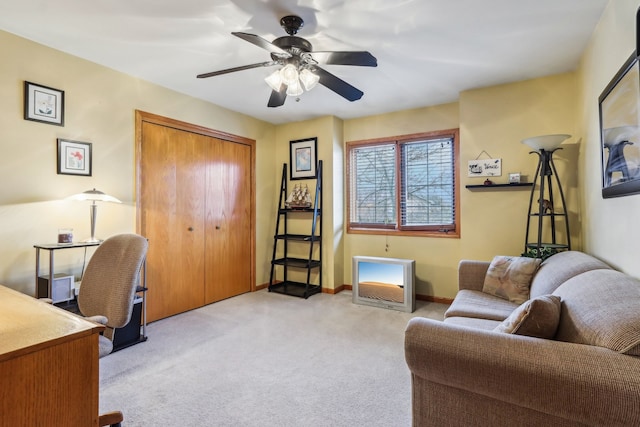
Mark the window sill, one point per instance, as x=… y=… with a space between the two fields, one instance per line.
x=412 y=233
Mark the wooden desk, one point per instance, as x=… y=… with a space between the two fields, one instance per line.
x=48 y=364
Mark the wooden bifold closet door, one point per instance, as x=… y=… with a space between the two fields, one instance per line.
x=196 y=207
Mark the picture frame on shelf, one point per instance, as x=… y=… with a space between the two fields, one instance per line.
x=74 y=157
x=43 y=104
x=303 y=155
x=619 y=108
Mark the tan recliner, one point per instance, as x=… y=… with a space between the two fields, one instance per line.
x=109 y=284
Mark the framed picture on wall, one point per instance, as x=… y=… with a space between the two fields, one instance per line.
x=74 y=157
x=43 y=104
x=620 y=131
x=303 y=158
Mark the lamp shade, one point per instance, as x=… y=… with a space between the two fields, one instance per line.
x=294 y=88
x=274 y=80
x=308 y=79
x=545 y=142
x=618 y=134
x=94 y=194
x=289 y=74
x=295 y=79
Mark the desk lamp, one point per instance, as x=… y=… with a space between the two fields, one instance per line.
x=94 y=196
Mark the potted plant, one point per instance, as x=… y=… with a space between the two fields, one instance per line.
x=544 y=252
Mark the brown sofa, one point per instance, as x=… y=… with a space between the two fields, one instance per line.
x=464 y=373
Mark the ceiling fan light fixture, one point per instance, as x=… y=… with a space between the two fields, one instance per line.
x=301 y=66
x=308 y=79
x=289 y=74
x=295 y=88
x=274 y=80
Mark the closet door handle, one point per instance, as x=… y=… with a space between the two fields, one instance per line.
x=190 y=228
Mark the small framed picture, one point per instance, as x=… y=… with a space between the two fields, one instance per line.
x=514 y=178
x=74 y=157
x=43 y=104
x=303 y=158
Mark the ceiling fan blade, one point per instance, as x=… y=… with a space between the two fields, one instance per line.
x=278 y=97
x=260 y=42
x=234 y=69
x=363 y=59
x=338 y=85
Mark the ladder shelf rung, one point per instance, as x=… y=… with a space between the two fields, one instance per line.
x=298 y=237
x=297 y=262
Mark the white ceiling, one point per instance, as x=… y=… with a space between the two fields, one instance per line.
x=428 y=51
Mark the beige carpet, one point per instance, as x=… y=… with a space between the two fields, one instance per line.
x=266 y=359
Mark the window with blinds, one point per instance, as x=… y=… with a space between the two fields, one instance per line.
x=404 y=185
x=374 y=187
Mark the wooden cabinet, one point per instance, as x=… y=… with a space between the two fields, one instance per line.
x=48 y=364
x=196 y=207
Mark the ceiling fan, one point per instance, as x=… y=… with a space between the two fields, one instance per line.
x=300 y=65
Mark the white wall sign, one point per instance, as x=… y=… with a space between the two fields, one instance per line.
x=485 y=167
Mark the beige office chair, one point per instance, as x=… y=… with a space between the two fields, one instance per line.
x=109 y=284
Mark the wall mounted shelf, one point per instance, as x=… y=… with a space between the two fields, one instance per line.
x=520 y=186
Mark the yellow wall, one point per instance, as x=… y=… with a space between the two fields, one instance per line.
x=610 y=226
x=100 y=105
x=436 y=259
x=494 y=120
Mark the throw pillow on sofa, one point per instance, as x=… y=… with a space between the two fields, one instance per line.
x=538 y=317
x=510 y=277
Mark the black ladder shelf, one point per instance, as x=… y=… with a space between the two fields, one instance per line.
x=282 y=237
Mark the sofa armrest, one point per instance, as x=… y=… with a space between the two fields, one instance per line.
x=589 y=384
x=471 y=274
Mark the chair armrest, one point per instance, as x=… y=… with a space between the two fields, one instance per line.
x=589 y=384
x=471 y=274
x=98 y=319
x=113 y=418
